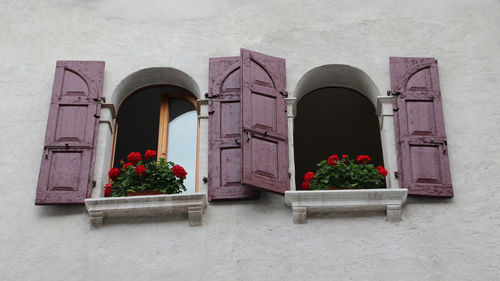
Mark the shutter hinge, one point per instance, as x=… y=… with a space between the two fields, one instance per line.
x=94 y=183
x=97 y=116
x=285 y=94
x=208 y=95
x=101 y=100
x=211 y=112
x=391 y=93
x=396 y=174
x=205 y=179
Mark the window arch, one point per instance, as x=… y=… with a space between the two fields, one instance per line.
x=158 y=110
x=335 y=114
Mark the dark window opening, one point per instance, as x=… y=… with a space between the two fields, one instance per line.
x=334 y=121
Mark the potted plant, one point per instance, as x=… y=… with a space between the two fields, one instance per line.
x=335 y=173
x=145 y=177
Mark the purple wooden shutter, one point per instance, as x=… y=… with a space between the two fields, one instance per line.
x=419 y=124
x=224 y=131
x=264 y=122
x=67 y=166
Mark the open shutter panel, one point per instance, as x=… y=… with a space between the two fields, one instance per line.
x=419 y=124
x=67 y=166
x=264 y=125
x=224 y=131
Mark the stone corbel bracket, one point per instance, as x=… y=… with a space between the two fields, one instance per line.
x=152 y=205
x=325 y=201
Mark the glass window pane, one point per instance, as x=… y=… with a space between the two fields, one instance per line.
x=182 y=137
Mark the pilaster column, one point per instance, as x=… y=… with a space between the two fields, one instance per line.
x=203 y=144
x=387 y=133
x=290 y=110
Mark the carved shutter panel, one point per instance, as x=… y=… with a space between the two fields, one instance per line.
x=264 y=125
x=67 y=166
x=419 y=124
x=224 y=131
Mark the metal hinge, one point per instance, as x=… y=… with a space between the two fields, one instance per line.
x=207 y=95
x=205 y=179
x=391 y=93
x=396 y=174
x=101 y=100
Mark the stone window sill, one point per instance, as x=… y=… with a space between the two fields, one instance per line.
x=152 y=205
x=323 y=201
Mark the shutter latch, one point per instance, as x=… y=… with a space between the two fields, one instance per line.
x=205 y=179
x=396 y=174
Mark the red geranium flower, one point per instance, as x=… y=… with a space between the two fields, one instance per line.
x=308 y=176
x=305 y=185
x=126 y=165
x=134 y=157
x=332 y=160
x=382 y=171
x=363 y=159
x=140 y=170
x=344 y=156
x=107 y=190
x=150 y=154
x=179 y=172
x=113 y=173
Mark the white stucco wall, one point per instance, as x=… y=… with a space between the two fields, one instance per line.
x=437 y=239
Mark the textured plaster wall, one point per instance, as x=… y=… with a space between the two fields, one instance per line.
x=453 y=239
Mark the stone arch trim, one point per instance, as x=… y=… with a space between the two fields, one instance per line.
x=140 y=79
x=337 y=75
x=346 y=76
x=153 y=76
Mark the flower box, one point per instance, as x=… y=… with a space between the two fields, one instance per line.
x=193 y=205
x=323 y=201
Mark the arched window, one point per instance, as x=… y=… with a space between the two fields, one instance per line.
x=335 y=114
x=338 y=121
x=161 y=118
